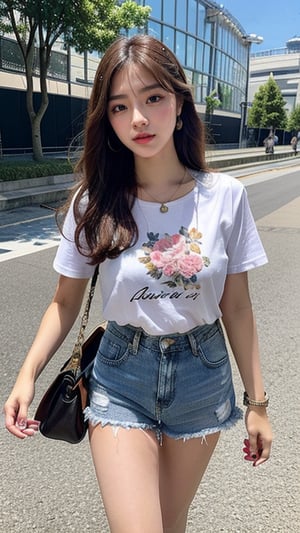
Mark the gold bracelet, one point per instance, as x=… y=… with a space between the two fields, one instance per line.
x=247 y=401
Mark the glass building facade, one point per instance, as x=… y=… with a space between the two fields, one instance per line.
x=210 y=44
x=208 y=41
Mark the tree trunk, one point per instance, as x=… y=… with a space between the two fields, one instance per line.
x=36 y=116
x=37 y=149
x=36 y=119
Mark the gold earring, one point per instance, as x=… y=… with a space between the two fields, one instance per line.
x=179 y=123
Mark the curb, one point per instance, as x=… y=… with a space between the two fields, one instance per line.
x=7 y=186
x=51 y=189
x=241 y=161
x=21 y=193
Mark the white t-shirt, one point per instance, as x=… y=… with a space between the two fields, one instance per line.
x=173 y=278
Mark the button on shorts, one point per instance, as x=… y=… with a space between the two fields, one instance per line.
x=179 y=385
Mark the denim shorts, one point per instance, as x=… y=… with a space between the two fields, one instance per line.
x=179 y=385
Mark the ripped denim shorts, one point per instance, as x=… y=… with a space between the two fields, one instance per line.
x=179 y=385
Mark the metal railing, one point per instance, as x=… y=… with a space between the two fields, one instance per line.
x=275 y=52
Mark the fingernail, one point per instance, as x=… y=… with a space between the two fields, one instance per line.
x=22 y=424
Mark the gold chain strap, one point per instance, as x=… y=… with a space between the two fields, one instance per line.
x=77 y=350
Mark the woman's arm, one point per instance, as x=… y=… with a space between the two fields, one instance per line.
x=55 y=325
x=239 y=322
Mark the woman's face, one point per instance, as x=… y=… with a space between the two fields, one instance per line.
x=142 y=113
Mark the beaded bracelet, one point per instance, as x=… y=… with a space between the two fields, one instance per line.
x=247 y=401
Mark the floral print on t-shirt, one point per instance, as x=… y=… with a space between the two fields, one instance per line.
x=177 y=257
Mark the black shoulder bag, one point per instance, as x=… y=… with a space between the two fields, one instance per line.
x=60 y=411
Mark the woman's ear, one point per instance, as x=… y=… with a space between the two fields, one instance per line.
x=179 y=108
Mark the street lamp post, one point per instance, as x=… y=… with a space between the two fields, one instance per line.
x=249 y=40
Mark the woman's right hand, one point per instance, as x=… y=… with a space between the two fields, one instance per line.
x=56 y=324
x=16 y=410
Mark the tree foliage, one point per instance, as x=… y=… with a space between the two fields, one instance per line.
x=85 y=24
x=294 y=120
x=212 y=102
x=268 y=108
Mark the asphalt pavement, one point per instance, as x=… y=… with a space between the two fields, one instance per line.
x=50 y=487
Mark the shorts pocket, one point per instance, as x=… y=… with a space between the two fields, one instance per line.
x=212 y=350
x=113 y=350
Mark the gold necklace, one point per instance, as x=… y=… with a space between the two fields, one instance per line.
x=163 y=207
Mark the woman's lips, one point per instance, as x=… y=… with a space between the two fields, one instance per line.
x=143 y=139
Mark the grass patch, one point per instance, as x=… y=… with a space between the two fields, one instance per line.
x=26 y=169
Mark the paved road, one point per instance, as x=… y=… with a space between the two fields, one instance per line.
x=50 y=487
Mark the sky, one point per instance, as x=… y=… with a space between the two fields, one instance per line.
x=276 y=21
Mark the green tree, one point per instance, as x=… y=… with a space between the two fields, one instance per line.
x=256 y=112
x=294 y=119
x=268 y=106
x=87 y=25
x=212 y=103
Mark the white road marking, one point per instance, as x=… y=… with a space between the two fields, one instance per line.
x=14 y=249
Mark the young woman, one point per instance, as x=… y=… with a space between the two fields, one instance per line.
x=174 y=242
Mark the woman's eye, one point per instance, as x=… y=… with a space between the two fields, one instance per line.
x=155 y=98
x=118 y=108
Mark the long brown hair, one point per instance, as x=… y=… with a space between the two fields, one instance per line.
x=106 y=166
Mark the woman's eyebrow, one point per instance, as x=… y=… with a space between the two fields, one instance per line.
x=142 y=90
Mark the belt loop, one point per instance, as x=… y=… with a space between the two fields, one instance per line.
x=193 y=343
x=136 y=341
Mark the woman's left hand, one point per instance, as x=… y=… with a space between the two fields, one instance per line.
x=258 y=445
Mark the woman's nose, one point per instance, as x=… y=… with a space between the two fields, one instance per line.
x=139 y=119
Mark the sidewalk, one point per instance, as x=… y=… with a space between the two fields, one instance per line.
x=53 y=189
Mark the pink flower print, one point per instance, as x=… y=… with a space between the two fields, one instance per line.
x=189 y=265
x=170 y=242
x=177 y=257
x=167 y=252
x=171 y=256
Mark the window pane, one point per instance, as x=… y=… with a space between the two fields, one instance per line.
x=189 y=76
x=201 y=19
x=191 y=49
x=204 y=87
x=156 y=9
x=197 y=83
x=77 y=67
x=93 y=61
x=208 y=31
x=192 y=16
x=199 y=55
x=218 y=64
x=206 y=59
x=154 y=29
x=168 y=37
x=180 y=47
x=169 y=12
x=131 y=32
x=58 y=66
x=181 y=14
x=11 y=57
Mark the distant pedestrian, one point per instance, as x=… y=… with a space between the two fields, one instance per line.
x=294 y=142
x=269 y=144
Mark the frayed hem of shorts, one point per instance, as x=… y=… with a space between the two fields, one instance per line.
x=236 y=416
x=94 y=420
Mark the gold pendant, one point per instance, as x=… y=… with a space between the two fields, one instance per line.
x=164 y=208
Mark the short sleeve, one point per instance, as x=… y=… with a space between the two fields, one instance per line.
x=244 y=248
x=68 y=260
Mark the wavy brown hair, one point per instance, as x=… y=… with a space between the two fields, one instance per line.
x=107 y=168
